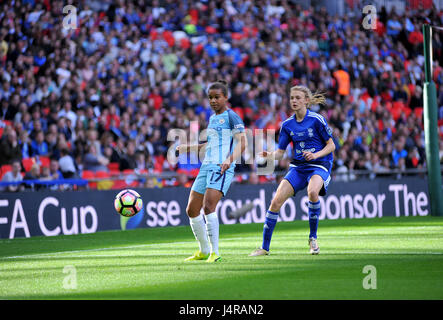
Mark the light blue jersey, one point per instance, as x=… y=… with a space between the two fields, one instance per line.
x=220 y=137
x=220 y=144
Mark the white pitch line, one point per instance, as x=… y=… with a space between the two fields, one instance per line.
x=168 y=254
x=87 y=250
x=66 y=253
x=112 y=248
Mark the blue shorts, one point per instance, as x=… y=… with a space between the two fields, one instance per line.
x=210 y=177
x=299 y=177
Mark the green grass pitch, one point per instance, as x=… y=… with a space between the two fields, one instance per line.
x=407 y=254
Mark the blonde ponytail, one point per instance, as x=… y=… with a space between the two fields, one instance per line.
x=313 y=98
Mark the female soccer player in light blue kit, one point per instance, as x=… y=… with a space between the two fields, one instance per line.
x=226 y=141
x=311 y=165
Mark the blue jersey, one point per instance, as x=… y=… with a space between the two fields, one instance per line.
x=311 y=134
x=220 y=137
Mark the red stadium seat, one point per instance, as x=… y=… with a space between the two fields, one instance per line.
x=388 y=106
x=119 y=184
x=114 y=173
x=128 y=171
x=114 y=166
x=375 y=103
x=102 y=174
x=236 y=36
x=418 y=112
x=87 y=174
x=210 y=30
x=158 y=164
x=5 y=168
x=27 y=163
x=194 y=172
x=239 y=111
x=44 y=161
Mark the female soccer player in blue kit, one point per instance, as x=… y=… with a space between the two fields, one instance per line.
x=226 y=141
x=311 y=165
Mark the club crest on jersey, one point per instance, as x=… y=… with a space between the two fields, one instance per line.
x=302 y=144
x=221 y=121
x=310 y=132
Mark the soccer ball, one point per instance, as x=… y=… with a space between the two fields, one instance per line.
x=128 y=203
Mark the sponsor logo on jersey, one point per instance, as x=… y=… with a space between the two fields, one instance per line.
x=303 y=150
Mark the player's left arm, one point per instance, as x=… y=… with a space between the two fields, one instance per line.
x=240 y=147
x=329 y=147
x=325 y=133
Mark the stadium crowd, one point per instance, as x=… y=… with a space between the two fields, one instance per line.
x=100 y=99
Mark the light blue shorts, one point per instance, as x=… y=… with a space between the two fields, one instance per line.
x=210 y=177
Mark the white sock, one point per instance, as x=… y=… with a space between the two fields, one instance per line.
x=199 y=229
x=212 y=226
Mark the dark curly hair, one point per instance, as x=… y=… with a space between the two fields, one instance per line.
x=220 y=85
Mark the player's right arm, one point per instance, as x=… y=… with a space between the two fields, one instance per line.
x=283 y=141
x=276 y=154
x=185 y=148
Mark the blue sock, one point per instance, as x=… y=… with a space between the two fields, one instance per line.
x=314 y=213
x=268 y=228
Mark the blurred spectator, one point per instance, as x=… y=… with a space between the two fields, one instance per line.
x=67 y=112
x=33 y=174
x=128 y=159
x=140 y=161
x=67 y=165
x=10 y=148
x=417 y=98
x=46 y=176
x=402 y=168
x=25 y=144
x=92 y=161
x=183 y=181
x=125 y=76
x=39 y=147
x=13 y=176
x=253 y=178
x=399 y=151
x=149 y=183
x=55 y=174
x=54 y=170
